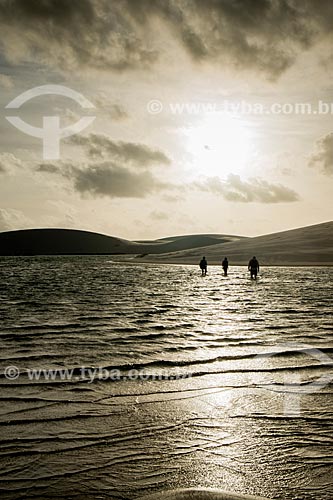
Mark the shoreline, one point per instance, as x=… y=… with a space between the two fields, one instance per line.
x=136 y=259
x=306 y=265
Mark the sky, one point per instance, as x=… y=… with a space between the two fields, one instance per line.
x=205 y=116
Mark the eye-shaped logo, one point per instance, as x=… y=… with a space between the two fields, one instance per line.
x=50 y=133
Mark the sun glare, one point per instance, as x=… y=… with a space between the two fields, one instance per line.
x=220 y=144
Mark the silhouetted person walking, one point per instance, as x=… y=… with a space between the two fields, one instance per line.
x=253 y=267
x=225 y=265
x=203 y=266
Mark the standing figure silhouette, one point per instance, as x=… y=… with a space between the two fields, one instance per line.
x=225 y=265
x=253 y=267
x=203 y=266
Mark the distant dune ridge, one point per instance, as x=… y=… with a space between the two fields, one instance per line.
x=72 y=242
x=311 y=245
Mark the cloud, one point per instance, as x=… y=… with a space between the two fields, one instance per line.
x=116 y=182
x=253 y=190
x=110 y=170
x=9 y=163
x=107 y=179
x=115 y=111
x=48 y=168
x=263 y=35
x=73 y=34
x=98 y=145
x=323 y=157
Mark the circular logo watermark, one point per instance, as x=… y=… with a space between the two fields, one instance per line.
x=51 y=132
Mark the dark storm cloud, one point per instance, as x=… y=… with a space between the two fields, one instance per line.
x=265 y=35
x=323 y=157
x=262 y=34
x=98 y=145
x=254 y=190
x=114 y=181
x=73 y=33
x=111 y=169
x=48 y=168
x=106 y=179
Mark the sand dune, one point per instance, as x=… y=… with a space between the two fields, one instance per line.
x=61 y=241
x=70 y=242
x=303 y=246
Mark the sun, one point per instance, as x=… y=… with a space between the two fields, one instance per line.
x=220 y=144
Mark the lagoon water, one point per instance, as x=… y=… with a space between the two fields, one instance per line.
x=174 y=380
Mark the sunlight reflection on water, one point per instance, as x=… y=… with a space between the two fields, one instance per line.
x=224 y=425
